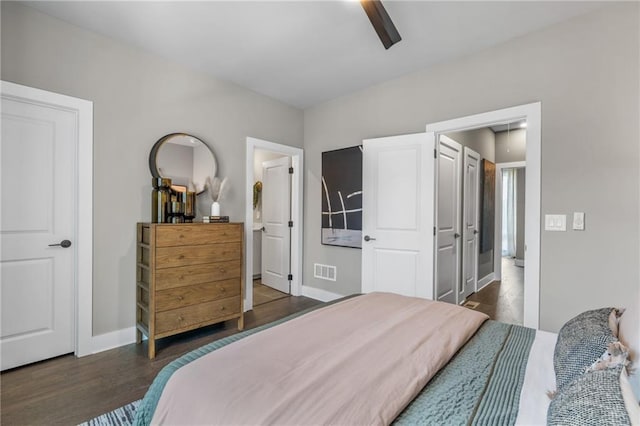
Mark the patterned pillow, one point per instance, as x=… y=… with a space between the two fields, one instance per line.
x=595 y=398
x=581 y=342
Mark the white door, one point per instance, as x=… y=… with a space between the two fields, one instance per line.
x=397 y=215
x=276 y=213
x=448 y=196
x=38 y=204
x=470 y=217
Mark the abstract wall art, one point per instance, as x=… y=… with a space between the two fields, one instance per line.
x=342 y=197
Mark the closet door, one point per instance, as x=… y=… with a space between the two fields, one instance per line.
x=448 y=219
x=397 y=215
x=470 y=222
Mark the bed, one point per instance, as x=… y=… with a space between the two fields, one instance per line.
x=372 y=359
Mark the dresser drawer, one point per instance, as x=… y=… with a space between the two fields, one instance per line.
x=197 y=274
x=192 y=316
x=169 y=257
x=194 y=294
x=169 y=236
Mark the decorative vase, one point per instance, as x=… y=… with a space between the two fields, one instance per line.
x=189 y=200
x=160 y=198
x=215 y=208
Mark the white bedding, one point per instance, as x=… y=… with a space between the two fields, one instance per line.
x=539 y=378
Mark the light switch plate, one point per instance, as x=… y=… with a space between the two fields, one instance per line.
x=578 y=221
x=555 y=222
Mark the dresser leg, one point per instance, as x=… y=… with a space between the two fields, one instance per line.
x=152 y=348
x=241 y=322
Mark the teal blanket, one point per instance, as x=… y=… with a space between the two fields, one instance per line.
x=480 y=385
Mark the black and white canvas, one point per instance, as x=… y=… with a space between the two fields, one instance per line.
x=342 y=197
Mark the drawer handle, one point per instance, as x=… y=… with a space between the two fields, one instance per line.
x=222 y=308
x=222 y=289
x=181 y=236
x=181 y=277
x=181 y=256
x=222 y=270
x=180 y=298
x=180 y=319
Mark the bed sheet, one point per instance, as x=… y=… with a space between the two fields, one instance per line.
x=538 y=380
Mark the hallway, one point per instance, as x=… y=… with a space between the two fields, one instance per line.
x=503 y=300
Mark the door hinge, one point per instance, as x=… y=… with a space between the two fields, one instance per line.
x=290 y=277
x=290 y=170
x=290 y=224
x=435 y=153
x=434 y=230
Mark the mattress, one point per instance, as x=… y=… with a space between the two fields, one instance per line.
x=499 y=376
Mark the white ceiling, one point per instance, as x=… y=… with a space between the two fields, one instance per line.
x=307 y=52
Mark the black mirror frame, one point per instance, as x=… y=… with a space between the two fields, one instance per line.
x=153 y=167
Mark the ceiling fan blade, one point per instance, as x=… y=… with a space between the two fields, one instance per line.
x=381 y=22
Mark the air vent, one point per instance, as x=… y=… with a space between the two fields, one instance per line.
x=324 y=272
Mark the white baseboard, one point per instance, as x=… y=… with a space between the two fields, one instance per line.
x=113 y=339
x=319 y=294
x=519 y=262
x=482 y=283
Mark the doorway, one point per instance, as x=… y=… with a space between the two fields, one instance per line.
x=273 y=232
x=511 y=213
x=413 y=166
x=531 y=114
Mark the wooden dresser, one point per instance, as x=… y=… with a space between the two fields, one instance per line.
x=188 y=276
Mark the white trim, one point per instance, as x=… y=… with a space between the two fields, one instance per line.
x=84 y=205
x=532 y=113
x=497 y=231
x=114 y=339
x=297 y=188
x=319 y=294
x=485 y=281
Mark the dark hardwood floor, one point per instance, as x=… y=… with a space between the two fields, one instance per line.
x=69 y=390
x=503 y=300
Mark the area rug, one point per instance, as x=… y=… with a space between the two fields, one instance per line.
x=122 y=416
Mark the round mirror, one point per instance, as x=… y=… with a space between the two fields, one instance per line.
x=184 y=159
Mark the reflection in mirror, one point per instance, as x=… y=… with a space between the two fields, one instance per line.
x=184 y=159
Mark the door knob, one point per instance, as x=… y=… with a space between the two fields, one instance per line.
x=475 y=232
x=263 y=229
x=456 y=235
x=368 y=238
x=63 y=244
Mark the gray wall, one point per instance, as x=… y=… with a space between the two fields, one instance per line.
x=483 y=142
x=138 y=98
x=520 y=207
x=587 y=81
x=511 y=146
